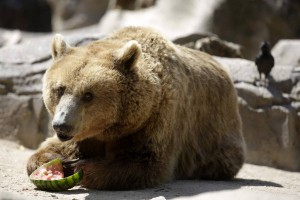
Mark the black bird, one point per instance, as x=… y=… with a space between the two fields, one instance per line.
x=264 y=60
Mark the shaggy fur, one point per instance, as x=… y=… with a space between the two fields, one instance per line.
x=159 y=112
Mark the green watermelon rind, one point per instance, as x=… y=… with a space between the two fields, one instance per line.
x=57 y=185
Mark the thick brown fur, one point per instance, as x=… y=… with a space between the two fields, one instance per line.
x=160 y=112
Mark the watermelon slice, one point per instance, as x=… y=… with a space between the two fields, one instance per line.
x=50 y=176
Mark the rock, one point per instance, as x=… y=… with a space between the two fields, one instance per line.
x=14 y=54
x=192 y=38
x=257 y=97
x=216 y=46
x=272 y=135
x=284 y=52
x=71 y=14
x=295 y=93
x=280 y=76
x=283 y=77
x=24 y=118
x=295 y=76
x=10 y=37
x=211 y=44
x=134 y=4
x=288 y=74
x=270 y=114
x=3 y=89
x=241 y=70
x=296 y=105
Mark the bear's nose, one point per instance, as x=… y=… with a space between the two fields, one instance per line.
x=63 y=131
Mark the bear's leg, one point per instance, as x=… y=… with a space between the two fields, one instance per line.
x=52 y=148
x=225 y=161
x=124 y=173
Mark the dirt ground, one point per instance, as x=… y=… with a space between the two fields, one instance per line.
x=253 y=182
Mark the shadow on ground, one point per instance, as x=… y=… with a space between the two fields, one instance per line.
x=174 y=189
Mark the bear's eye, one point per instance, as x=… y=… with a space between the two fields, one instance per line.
x=60 y=91
x=87 y=97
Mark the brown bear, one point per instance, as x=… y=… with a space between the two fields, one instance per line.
x=139 y=111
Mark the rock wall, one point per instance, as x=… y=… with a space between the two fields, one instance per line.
x=270 y=114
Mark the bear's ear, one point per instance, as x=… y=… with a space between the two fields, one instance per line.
x=129 y=54
x=59 y=46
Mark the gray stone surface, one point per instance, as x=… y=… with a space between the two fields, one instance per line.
x=8 y=37
x=270 y=113
x=211 y=44
x=24 y=118
x=272 y=135
x=241 y=70
x=295 y=93
x=258 y=97
x=284 y=52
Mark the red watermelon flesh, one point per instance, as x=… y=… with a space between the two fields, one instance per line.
x=52 y=172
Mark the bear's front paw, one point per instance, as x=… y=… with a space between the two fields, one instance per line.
x=38 y=159
x=90 y=172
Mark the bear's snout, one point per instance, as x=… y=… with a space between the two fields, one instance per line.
x=62 y=126
x=63 y=131
x=65 y=117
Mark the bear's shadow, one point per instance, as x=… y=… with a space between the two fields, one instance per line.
x=174 y=189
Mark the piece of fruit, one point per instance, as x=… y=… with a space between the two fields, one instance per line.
x=50 y=176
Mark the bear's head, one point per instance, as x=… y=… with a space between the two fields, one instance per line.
x=102 y=90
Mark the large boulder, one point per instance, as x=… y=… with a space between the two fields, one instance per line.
x=211 y=44
x=271 y=111
x=284 y=52
x=272 y=135
x=289 y=72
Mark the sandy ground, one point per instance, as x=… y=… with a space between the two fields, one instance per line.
x=253 y=182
